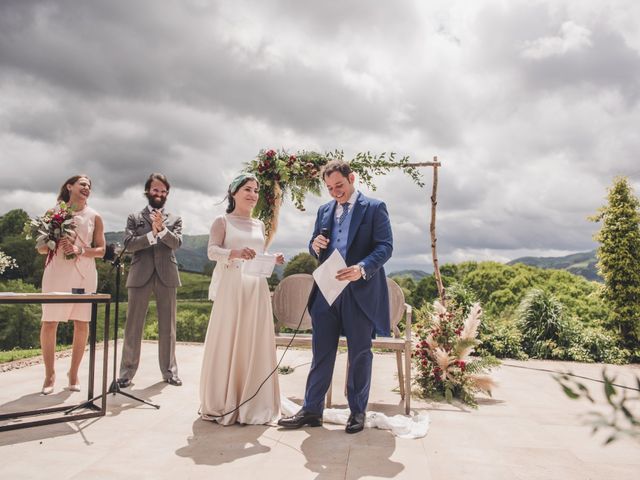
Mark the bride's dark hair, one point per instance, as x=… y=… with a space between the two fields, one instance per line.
x=236 y=185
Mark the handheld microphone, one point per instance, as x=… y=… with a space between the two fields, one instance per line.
x=325 y=233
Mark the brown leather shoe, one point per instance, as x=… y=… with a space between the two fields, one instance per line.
x=301 y=419
x=355 y=423
x=124 y=382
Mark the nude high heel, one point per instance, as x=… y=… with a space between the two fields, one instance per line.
x=75 y=387
x=48 y=390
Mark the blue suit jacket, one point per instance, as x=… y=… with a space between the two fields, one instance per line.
x=370 y=241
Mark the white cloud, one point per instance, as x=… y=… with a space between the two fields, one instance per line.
x=570 y=38
x=531 y=106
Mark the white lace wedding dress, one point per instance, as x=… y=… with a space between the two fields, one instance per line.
x=239 y=349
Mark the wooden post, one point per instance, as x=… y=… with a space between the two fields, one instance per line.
x=277 y=191
x=432 y=229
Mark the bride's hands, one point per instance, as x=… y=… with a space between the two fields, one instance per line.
x=244 y=254
x=279 y=258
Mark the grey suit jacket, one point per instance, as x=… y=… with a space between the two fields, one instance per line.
x=148 y=258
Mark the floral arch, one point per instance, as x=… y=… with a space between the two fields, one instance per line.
x=281 y=173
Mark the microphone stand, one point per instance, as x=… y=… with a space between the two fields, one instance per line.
x=114 y=387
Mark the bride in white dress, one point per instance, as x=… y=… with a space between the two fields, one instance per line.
x=239 y=349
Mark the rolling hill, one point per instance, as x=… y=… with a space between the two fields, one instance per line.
x=417 y=275
x=192 y=256
x=583 y=264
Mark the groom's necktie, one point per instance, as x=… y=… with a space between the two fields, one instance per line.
x=343 y=215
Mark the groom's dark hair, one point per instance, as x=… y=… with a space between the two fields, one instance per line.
x=156 y=176
x=336 y=166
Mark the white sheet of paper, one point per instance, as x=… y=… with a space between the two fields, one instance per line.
x=325 y=277
x=260 y=266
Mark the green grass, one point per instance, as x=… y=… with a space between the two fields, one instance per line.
x=194 y=286
x=18 y=354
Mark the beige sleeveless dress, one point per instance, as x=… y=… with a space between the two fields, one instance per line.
x=61 y=275
x=239 y=349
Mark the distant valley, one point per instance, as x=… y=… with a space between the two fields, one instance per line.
x=192 y=256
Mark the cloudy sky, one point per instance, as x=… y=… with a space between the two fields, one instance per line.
x=532 y=107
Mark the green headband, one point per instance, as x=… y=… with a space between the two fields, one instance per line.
x=235 y=183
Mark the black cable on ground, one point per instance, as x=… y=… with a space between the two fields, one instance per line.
x=569 y=374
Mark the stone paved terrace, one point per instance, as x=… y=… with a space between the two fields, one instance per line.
x=528 y=430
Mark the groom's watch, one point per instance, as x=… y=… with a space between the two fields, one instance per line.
x=363 y=273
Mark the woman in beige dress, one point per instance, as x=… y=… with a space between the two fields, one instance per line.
x=61 y=275
x=239 y=349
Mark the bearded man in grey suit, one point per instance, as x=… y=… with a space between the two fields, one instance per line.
x=152 y=235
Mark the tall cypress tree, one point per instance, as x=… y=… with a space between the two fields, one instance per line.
x=619 y=260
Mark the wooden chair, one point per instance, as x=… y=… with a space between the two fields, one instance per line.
x=289 y=301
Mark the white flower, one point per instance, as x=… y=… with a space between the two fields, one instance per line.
x=6 y=262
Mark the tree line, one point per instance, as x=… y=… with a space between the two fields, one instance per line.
x=528 y=311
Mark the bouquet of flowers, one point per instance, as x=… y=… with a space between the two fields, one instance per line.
x=50 y=228
x=443 y=354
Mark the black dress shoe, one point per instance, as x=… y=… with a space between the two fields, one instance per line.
x=175 y=381
x=355 y=423
x=124 y=382
x=301 y=419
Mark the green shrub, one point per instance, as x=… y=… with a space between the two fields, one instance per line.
x=542 y=323
x=19 y=323
x=191 y=326
x=187 y=311
x=501 y=338
x=461 y=298
x=303 y=262
x=593 y=344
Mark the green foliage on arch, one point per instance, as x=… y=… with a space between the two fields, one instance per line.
x=281 y=173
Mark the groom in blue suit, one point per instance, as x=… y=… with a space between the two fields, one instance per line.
x=361 y=231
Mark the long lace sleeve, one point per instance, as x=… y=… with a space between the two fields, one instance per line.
x=215 y=251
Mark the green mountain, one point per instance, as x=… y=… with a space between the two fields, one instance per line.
x=416 y=275
x=583 y=264
x=192 y=256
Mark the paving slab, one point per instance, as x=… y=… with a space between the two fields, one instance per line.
x=527 y=430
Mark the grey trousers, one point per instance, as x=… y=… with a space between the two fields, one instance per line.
x=136 y=313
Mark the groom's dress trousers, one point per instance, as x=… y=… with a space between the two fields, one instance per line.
x=362 y=236
x=154 y=268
